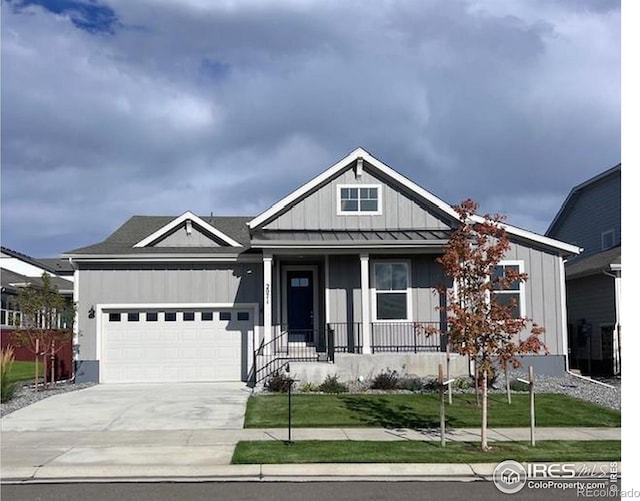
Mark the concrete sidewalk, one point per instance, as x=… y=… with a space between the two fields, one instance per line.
x=206 y=454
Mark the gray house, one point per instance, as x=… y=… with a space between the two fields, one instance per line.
x=591 y=218
x=192 y=298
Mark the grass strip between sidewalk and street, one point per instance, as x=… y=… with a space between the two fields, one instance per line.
x=341 y=451
x=419 y=411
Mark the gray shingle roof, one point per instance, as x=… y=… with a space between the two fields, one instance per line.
x=137 y=228
x=594 y=263
x=12 y=281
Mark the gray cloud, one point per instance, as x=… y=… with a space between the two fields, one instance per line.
x=227 y=107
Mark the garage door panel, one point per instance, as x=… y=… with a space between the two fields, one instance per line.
x=203 y=349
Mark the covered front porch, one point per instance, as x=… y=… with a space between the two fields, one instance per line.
x=315 y=308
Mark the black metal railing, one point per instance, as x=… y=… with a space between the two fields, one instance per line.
x=412 y=337
x=287 y=346
x=344 y=337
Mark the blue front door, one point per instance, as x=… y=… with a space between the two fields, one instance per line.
x=300 y=305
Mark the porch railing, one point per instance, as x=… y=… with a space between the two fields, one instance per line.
x=412 y=337
x=395 y=337
x=286 y=347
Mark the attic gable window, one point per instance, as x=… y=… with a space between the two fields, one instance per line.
x=359 y=199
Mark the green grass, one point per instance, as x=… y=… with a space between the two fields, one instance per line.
x=313 y=451
x=421 y=411
x=22 y=371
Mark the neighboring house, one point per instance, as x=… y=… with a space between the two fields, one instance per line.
x=18 y=270
x=591 y=218
x=193 y=298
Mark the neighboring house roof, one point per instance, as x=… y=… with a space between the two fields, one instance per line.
x=609 y=260
x=59 y=266
x=360 y=154
x=12 y=282
x=139 y=228
x=575 y=193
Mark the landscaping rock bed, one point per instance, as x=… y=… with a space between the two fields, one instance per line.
x=26 y=396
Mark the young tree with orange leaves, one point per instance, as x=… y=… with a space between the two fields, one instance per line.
x=482 y=324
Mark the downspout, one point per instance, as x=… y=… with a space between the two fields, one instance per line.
x=76 y=320
x=616 y=340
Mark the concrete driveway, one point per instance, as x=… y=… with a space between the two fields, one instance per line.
x=136 y=407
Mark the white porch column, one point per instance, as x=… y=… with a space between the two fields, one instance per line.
x=267 y=300
x=366 y=309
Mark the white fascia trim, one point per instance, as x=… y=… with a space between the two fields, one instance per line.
x=334 y=169
x=162 y=258
x=187 y=216
x=535 y=237
x=410 y=185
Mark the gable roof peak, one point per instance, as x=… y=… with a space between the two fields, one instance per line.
x=187 y=216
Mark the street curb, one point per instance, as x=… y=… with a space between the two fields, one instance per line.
x=317 y=472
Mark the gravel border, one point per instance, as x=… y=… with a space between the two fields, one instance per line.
x=25 y=395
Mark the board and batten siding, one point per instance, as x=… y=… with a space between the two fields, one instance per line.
x=180 y=238
x=158 y=284
x=543 y=292
x=319 y=210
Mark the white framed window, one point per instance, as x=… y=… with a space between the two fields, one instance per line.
x=391 y=291
x=514 y=291
x=608 y=239
x=359 y=199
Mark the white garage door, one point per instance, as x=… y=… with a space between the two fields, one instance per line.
x=175 y=345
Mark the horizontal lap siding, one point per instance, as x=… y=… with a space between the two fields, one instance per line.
x=318 y=211
x=240 y=283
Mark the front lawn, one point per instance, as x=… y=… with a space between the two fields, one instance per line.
x=421 y=411
x=335 y=451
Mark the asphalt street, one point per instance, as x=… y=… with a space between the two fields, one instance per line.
x=279 y=491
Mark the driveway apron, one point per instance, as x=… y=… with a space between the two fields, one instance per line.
x=130 y=424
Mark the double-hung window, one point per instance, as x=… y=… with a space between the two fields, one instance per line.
x=507 y=294
x=391 y=287
x=359 y=199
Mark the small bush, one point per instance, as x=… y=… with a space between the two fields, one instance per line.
x=461 y=384
x=387 y=380
x=411 y=384
x=7 y=387
x=308 y=387
x=516 y=385
x=332 y=385
x=278 y=382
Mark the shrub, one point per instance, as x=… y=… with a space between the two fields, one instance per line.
x=516 y=385
x=7 y=387
x=332 y=385
x=308 y=387
x=278 y=382
x=387 y=380
x=461 y=384
x=411 y=384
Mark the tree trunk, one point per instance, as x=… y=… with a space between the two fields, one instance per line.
x=483 y=431
x=506 y=377
x=476 y=378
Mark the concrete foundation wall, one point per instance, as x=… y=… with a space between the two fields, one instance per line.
x=349 y=367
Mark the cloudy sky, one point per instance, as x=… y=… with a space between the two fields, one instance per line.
x=117 y=107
